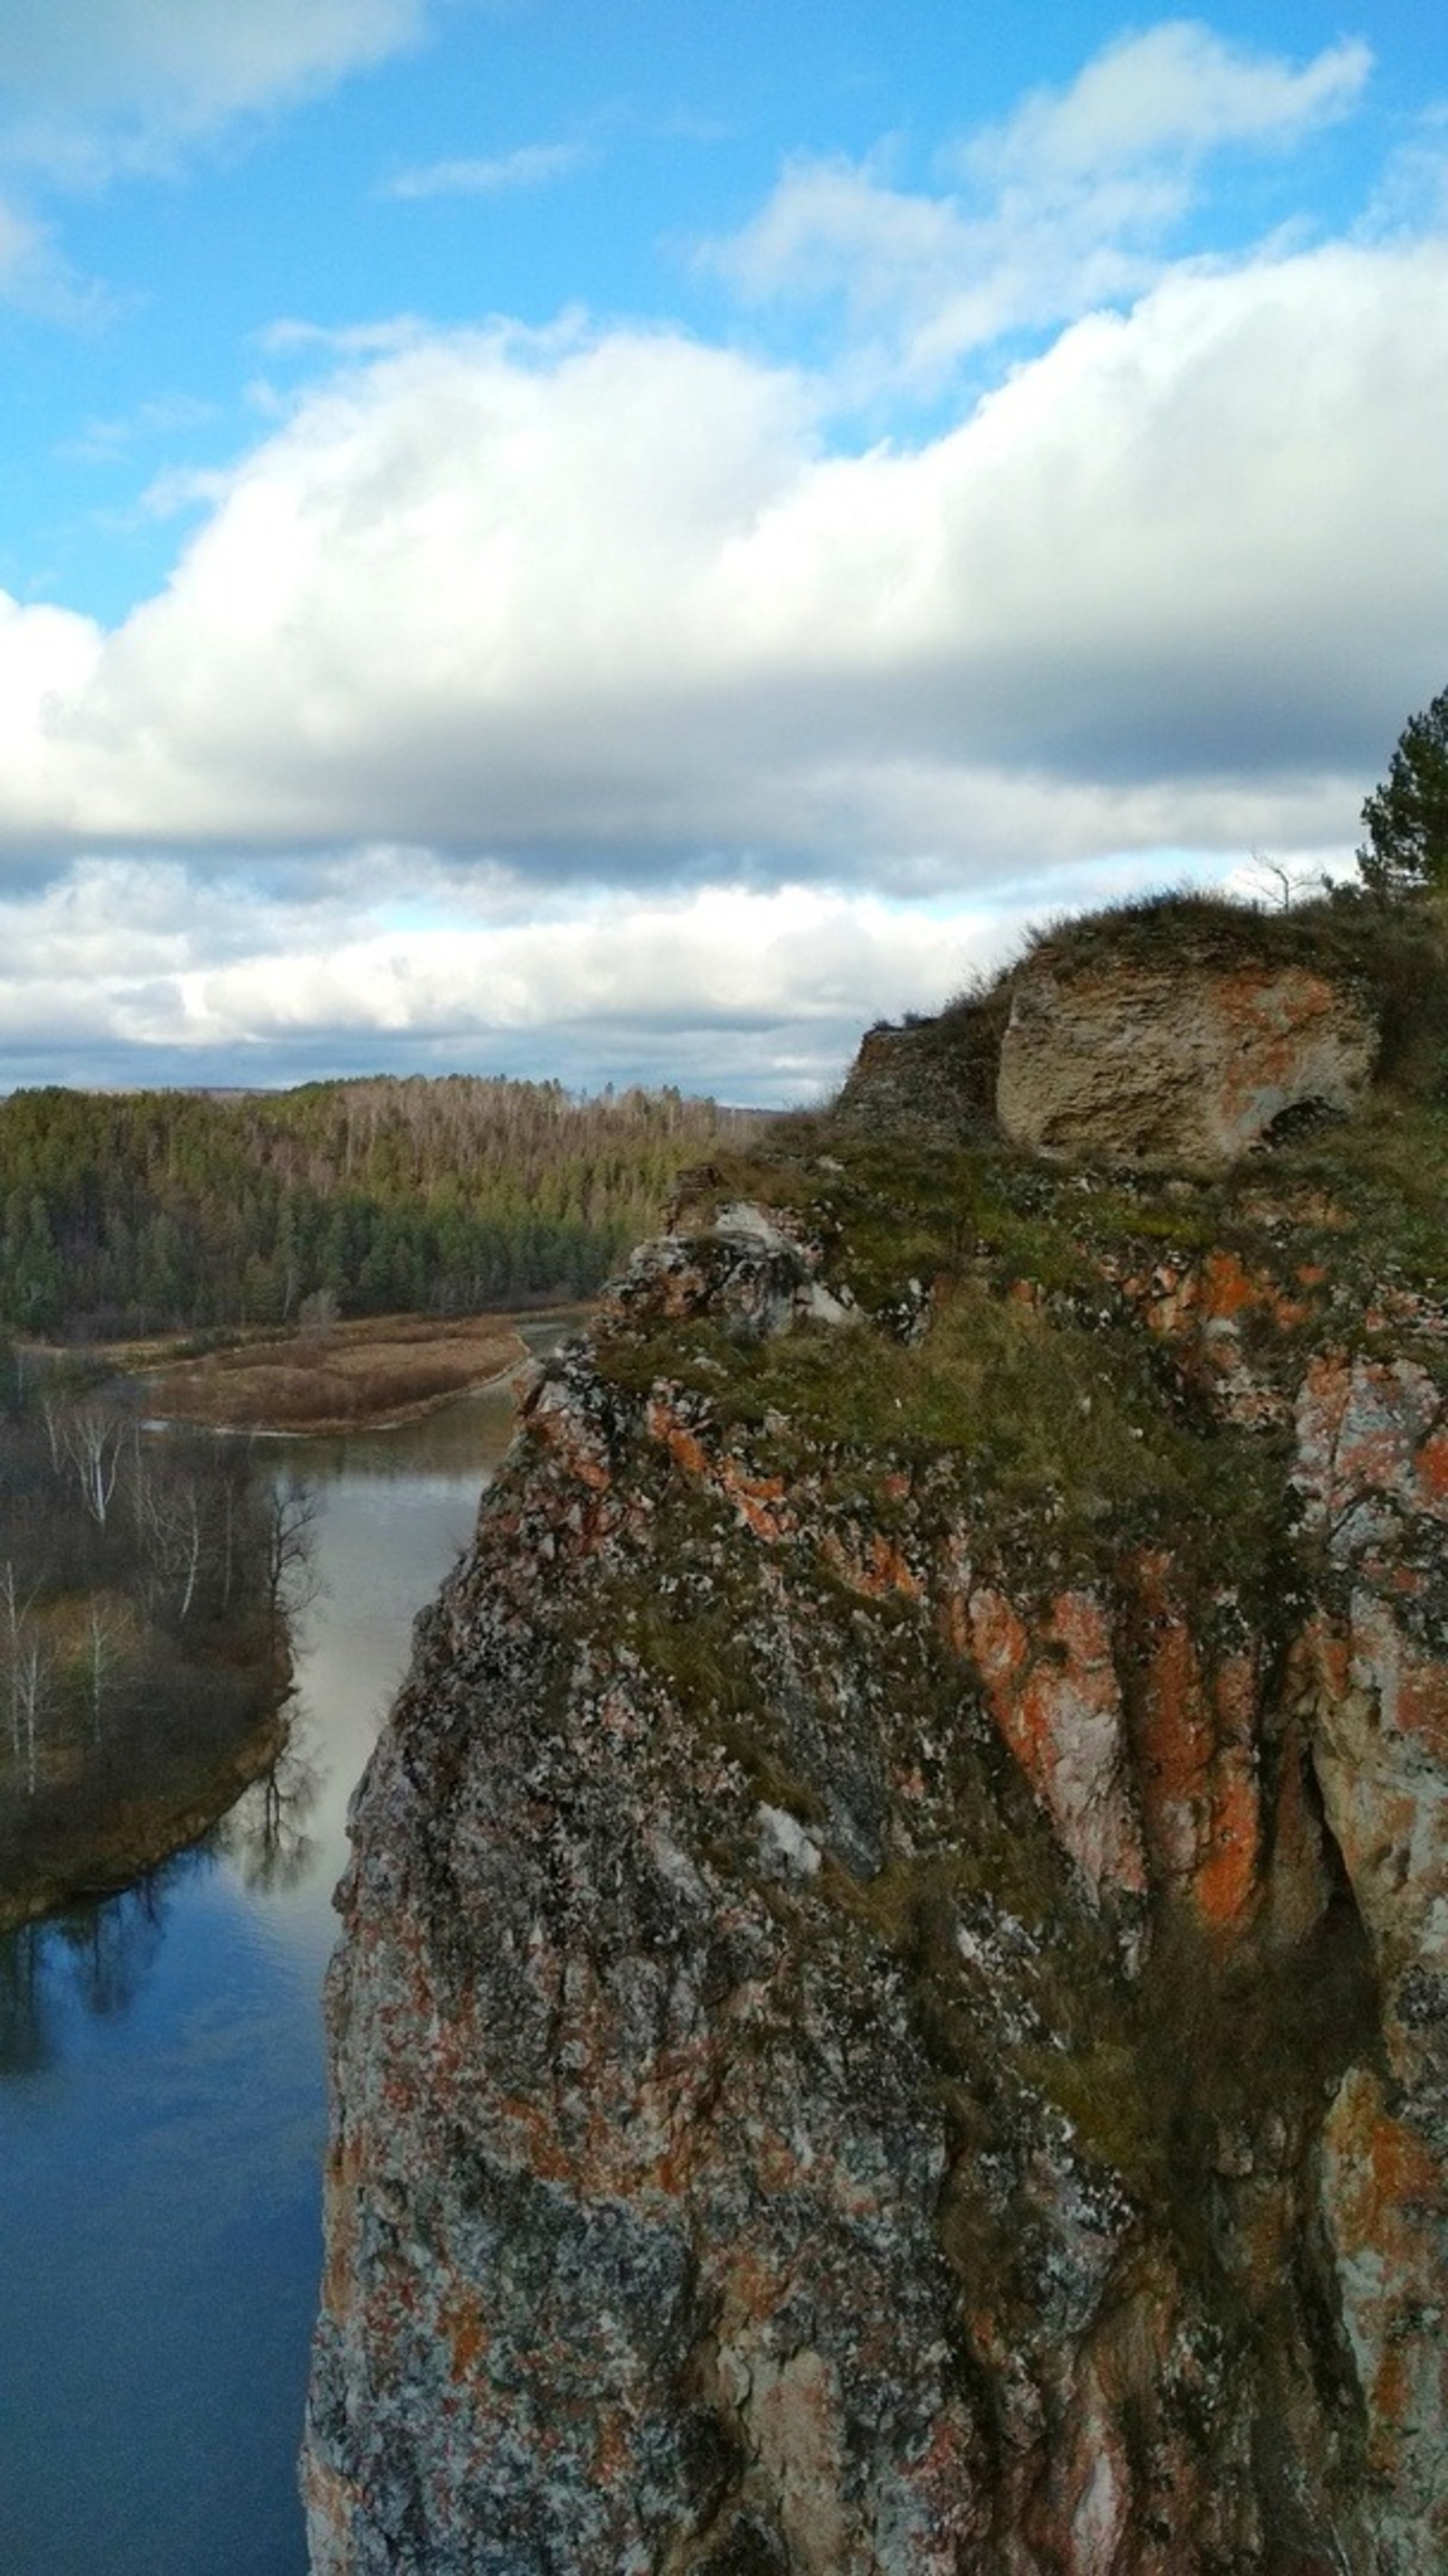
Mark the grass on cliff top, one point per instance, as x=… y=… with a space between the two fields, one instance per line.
x=1064 y=1443
x=1064 y=1423
x=1363 y=1197
x=1396 y=953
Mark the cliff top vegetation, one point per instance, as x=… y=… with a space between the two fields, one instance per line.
x=1008 y=1294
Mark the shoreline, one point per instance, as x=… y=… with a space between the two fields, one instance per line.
x=147 y=1832
x=207 y=1391
x=340 y=1425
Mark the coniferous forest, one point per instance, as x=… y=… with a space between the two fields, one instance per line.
x=139 y=1212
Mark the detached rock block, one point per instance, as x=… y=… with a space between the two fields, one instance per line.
x=1130 y=1061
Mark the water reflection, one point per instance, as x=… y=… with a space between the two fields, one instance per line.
x=162 y=2112
x=96 y=1957
x=99 y=1954
x=265 y=1835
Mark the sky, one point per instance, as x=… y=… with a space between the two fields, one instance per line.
x=627 y=539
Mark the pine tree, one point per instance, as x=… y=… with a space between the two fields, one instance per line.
x=1406 y=852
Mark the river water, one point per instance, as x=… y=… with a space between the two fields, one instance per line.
x=162 y=2105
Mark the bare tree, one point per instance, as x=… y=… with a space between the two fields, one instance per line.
x=317 y=1316
x=171 y=1516
x=16 y=1605
x=95 y=1436
x=32 y=1676
x=266 y=1831
x=106 y=1639
x=1279 y=887
x=53 y=1410
x=291 y=1546
x=233 y=1514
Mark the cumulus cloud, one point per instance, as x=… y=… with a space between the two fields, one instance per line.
x=762 y=993
x=48 y=656
x=1063 y=207
x=583 y=700
x=608 y=606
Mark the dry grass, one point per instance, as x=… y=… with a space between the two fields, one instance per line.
x=382 y=1369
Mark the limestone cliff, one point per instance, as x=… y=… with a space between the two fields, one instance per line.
x=891 y=2010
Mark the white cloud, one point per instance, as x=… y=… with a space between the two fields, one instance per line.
x=1177 y=89
x=491 y=628
x=48 y=657
x=608 y=609
x=100 y=441
x=1411 y=194
x=34 y=274
x=761 y=994
x=1064 y=207
x=92 y=89
x=532 y=165
x=90 y=85
x=723 y=957
x=925 y=280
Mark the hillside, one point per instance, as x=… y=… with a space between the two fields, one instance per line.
x=891 y=2017
x=150 y=1211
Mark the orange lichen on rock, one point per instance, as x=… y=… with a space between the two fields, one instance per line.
x=1369 y=1428
x=1053 y=1690
x=467 y=2334
x=683 y=1445
x=1195 y=1732
x=758 y=1500
x=896 y=2022
x=1202 y=1309
x=871 y=1564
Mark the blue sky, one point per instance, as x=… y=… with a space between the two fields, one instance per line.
x=626 y=541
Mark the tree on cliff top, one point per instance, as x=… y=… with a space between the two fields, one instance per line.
x=1406 y=851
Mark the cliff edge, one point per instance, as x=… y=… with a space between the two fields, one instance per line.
x=891 y=2015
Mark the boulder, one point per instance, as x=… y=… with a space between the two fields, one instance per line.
x=1126 y=1060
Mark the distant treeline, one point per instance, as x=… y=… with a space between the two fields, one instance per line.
x=161 y=1210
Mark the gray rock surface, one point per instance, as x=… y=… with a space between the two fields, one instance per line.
x=890 y=2015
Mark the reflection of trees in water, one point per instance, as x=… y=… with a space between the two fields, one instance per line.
x=147 y=1585
x=140 y=1650
x=265 y=1834
x=109 y=1950
x=25 y=2043
x=97 y=1956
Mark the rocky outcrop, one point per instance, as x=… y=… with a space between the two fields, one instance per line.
x=891 y=2017
x=1119 y=1057
x=930 y=1072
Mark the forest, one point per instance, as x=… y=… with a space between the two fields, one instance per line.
x=146 y=1586
x=126 y=1213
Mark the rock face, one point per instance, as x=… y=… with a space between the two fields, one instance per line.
x=892 y=2015
x=1119 y=1058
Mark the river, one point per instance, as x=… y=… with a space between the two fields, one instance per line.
x=162 y=2102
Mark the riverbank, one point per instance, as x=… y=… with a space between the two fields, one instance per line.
x=366 y=1375
x=144 y=1830
x=162 y=2117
